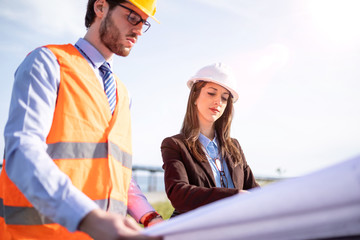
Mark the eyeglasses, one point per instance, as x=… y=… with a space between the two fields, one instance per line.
x=223 y=179
x=135 y=19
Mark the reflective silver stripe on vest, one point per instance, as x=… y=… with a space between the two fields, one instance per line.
x=79 y=150
x=1 y=208
x=115 y=206
x=30 y=216
x=23 y=216
x=121 y=156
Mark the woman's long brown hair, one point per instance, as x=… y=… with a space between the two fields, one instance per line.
x=191 y=128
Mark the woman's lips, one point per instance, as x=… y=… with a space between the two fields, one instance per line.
x=214 y=110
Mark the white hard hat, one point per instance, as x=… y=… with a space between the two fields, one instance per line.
x=218 y=73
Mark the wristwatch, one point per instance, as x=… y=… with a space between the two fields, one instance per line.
x=150 y=217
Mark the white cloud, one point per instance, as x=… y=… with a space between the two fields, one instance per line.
x=53 y=18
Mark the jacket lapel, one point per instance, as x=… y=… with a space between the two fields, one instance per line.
x=234 y=176
x=207 y=169
x=204 y=165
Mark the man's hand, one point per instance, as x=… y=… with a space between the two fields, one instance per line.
x=108 y=226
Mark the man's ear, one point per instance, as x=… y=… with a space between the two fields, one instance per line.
x=99 y=7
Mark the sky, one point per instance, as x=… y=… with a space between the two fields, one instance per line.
x=296 y=63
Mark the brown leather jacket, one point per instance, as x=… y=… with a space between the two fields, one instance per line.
x=190 y=183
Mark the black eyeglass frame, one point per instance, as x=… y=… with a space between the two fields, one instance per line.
x=129 y=18
x=223 y=179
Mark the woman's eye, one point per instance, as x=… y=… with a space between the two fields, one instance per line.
x=211 y=94
x=224 y=99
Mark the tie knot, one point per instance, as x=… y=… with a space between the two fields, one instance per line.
x=105 y=67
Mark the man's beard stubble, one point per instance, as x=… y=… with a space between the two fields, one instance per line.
x=110 y=36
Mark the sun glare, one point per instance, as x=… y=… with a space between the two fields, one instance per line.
x=339 y=19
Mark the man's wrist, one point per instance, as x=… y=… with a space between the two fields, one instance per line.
x=149 y=217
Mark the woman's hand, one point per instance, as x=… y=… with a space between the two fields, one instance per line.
x=243 y=191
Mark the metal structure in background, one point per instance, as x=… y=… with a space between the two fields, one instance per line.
x=152 y=173
x=152 y=182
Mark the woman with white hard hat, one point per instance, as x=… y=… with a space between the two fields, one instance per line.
x=203 y=163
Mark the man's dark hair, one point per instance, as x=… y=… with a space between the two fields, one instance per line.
x=90 y=13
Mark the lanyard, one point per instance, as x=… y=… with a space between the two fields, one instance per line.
x=217 y=161
x=219 y=167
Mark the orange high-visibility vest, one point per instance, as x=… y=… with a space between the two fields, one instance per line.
x=88 y=143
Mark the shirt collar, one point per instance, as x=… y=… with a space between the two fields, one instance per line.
x=205 y=141
x=92 y=53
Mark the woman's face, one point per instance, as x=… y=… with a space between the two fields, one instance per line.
x=211 y=103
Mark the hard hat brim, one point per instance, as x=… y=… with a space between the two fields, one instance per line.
x=192 y=81
x=145 y=11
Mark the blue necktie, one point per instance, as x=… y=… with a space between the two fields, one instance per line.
x=109 y=85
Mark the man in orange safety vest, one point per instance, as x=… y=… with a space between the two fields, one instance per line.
x=68 y=153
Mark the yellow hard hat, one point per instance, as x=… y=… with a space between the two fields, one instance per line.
x=147 y=6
